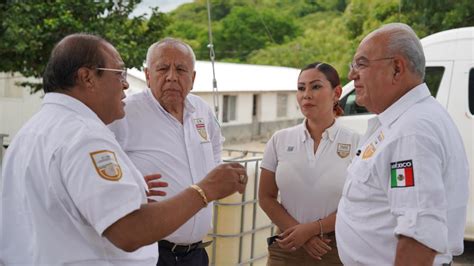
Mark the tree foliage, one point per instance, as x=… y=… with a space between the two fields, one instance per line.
x=324 y=40
x=30 y=29
x=245 y=30
x=284 y=32
x=327 y=30
x=428 y=17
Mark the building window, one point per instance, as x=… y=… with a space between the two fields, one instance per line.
x=282 y=105
x=254 y=104
x=229 y=108
x=471 y=90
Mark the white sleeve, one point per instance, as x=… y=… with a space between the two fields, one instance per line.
x=120 y=130
x=100 y=200
x=421 y=208
x=270 y=157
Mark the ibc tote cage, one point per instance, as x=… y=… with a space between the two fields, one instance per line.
x=240 y=227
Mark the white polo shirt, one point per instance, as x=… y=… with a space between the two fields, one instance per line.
x=66 y=180
x=183 y=154
x=410 y=179
x=310 y=184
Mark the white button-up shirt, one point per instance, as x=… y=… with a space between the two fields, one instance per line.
x=183 y=154
x=310 y=184
x=410 y=179
x=66 y=180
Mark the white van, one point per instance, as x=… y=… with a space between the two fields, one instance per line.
x=450 y=78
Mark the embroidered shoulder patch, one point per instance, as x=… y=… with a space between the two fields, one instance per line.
x=401 y=174
x=369 y=151
x=106 y=165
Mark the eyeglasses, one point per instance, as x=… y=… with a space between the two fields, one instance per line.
x=123 y=72
x=362 y=63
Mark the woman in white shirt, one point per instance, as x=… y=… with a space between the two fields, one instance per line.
x=307 y=164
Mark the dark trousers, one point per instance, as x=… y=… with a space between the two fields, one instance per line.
x=280 y=257
x=197 y=257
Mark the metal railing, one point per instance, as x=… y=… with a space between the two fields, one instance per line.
x=240 y=226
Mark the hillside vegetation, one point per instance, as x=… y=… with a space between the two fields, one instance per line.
x=271 y=32
x=297 y=32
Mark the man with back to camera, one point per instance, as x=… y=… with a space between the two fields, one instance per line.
x=70 y=195
x=404 y=201
x=169 y=131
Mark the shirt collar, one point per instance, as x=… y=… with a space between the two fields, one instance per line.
x=70 y=103
x=329 y=133
x=188 y=105
x=394 y=111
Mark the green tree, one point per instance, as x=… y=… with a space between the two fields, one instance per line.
x=428 y=17
x=324 y=39
x=30 y=29
x=246 y=29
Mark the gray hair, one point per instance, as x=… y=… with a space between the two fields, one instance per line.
x=169 y=41
x=404 y=41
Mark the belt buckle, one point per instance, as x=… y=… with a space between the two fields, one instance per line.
x=189 y=248
x=173 y=248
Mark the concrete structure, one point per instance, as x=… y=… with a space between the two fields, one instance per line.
x=17 y=105
x=254 y=100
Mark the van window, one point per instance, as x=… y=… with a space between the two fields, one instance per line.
x=471 y=91
x=433 y=76
x=351 y=107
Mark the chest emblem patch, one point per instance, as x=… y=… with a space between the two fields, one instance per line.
x=106 y=165
x=201 y=128
x=401 y=174
x=343 y=150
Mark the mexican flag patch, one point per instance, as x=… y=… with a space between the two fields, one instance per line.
x=402 y=174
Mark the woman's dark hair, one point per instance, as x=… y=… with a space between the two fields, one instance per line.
x=70 y=54
x=332 y=76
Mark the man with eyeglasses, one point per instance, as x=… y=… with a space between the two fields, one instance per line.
x=69 y=193
x=170 y=131
x=405 y=197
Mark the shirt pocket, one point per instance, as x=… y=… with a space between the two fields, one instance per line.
x=358 y=191
x=208 y=155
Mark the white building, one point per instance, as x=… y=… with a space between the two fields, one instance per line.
x=254 y=100
x=17 y=105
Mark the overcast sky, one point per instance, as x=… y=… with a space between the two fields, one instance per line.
x=164 y=5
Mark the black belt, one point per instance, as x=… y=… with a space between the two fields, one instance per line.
x=175 y=248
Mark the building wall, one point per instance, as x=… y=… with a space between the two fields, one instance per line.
x=269 y=107
x=243 y=132
x=267 y=122
x=17 y=105
x=243 y=108
x=135 y=85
